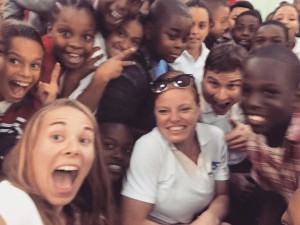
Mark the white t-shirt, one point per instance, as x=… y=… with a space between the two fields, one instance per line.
x=4 y=105
x=208 y=116
x=162 y=175
x=296 y=49
x=187 y=64
x=16 y=206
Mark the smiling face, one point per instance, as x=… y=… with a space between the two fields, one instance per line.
x=169 y=37
x=289 y=16
x=63 y=154
x=117 y=141
x=244 y=30
x=222 y=90
x=125 y=37
x=268 y=35
x=267 y=96
x=199 y=29
x=220 y=19
x=21 y=69
x=114 y=12
x=177 y=112
x=72 y=35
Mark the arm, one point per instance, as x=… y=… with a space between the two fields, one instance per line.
x=135 y=212
x=217 y=209
x=2 y=221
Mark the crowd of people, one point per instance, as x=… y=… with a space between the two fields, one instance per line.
x=148 y=112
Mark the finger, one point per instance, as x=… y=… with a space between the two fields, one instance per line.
x=55 y=74
x=124 y=54
x=95 y=59
x=128 y=63
x=233 y=123
x=94 y=50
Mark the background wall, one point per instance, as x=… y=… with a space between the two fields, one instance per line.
x=266 y=6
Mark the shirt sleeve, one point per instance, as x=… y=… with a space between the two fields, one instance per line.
x=143 y=174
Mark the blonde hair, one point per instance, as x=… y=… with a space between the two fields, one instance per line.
x=92 y=202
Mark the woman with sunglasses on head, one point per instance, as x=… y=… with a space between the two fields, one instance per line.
x=178 y=172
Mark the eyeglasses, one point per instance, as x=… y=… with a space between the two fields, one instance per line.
x=180 y=81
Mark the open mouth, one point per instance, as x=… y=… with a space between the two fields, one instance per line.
x=18 y=88
x=73 y=58
x=114 y=17
x=176 y=128
x=256 y=120
x=115 y=168
x=64 y=177
x=221 y=108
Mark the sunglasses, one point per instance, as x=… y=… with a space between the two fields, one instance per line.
x=180 y=81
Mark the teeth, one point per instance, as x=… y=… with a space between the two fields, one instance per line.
x=73 y=55
x=115 y=167
x=67 y=168
x=22 y=84
x=116 y=15
x=178 y=128
x=256 y=118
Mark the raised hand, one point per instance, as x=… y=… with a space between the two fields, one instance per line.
x=47 y=92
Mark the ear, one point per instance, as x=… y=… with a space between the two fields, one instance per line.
x=149 y=30
x=290 y=44
x=49 y=29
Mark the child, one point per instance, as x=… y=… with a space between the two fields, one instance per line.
x=117 y=140
x=245 y=26
x=268 y=33
x=70 y=41
x=270 y=94
x=289 y=15
x=120 y=43
x=129 y=96
x=20 y=71
x=192 y=60
x=236 y=9
x=219 y=13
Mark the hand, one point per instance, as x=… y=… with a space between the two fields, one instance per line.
x=238 y=137
x=207 y=218
x=47 y=93
x=242 y=185
x=113 y=67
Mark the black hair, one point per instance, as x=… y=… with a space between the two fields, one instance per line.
x=278 y=24
x=287 y=4
x=15 y=28
x=254 y=13
x=212 y=5
x=226 y=57
x=199 y=4
x=78 y=4
x=161 y=11
x=284 y=55
x=242 y=4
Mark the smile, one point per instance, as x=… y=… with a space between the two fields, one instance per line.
x=64 y=177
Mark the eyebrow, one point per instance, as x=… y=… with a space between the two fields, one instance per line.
x=64 y=124
x=16 y=54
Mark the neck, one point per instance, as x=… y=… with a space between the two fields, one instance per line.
x=190 y=147
x=195 y=52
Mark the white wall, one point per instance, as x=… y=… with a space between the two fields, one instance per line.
x=266 y=6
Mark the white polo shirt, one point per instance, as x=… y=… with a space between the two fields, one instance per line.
x=187 y=64
x=162 y=175
x=296 y=49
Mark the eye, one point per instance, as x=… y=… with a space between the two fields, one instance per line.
x=36 y=66
x=258 y=41
x=233 y=86
x=202 y=26
x=108 y=146
x=270 y=93
x=185 y=109
x=121 y=33
x=65 y=33
x=57 y=138
x=163 y=111
x=136 y=43
x=245 y=91
x=13 y=61
x=128 y=150
x=172 y=36
x=213 y=83
x=85 y=140
x=88 y=38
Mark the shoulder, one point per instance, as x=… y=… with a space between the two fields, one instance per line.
x=16 y=206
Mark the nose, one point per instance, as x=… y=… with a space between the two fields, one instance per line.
x=26 y=71
x=180 y=44
x=246 y=32
x=174 y=117
x=75 y=42
x=126 y=44
x=194 y=30
x=72 y=148
x=221 y=95
x=253 y=100
x=121 y=5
